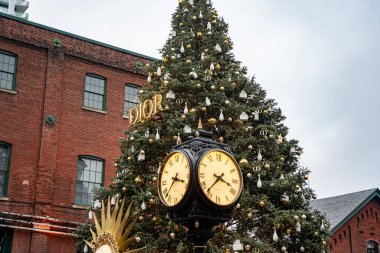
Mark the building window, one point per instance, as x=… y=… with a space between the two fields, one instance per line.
x=7 y=71
x=372 y=247
x=5 y=160
x=131 y=98
x=6 y=235
x=90 y=171
x=95 y=92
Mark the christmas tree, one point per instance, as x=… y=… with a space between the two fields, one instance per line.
x=199 y=78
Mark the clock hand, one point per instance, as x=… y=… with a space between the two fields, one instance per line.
x=174 y=179
x=218 y=178
x=221 y=179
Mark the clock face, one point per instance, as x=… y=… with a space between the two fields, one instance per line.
x=104 y=249
x=219 y=177
x=174 y=179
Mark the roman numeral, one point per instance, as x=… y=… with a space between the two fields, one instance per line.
x=218 y=157
x=164 y=182
x=210 y=158
x=209 y=194
x=226 y=162
x=170 y=162
x=227 y=198
x=232 y=191
x=165 y=191
x=235 y=181
x=217 y=198
x=203 y=185
x=170 y=199
x=232 y=171
x=202 y=175
x=176 y=158
x=204 y=165
x=175 y=200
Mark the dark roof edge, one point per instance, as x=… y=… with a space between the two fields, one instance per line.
x=375 y=193
x=21 y=20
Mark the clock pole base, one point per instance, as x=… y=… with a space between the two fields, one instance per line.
x=199 y=239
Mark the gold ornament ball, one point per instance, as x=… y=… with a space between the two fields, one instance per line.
x=138 y=239
x=166 y=82
x=188 y=61
x=151 y=201
x=141 y=218
x=183 y=116
x=262 y=203
x=265 y=112
x=229 y=120
x=283 y=249
x=154 y=219
x=203 y=109
x=194 y=18
x=154 y=179
x=188 y=46
x=129 y=158
x=221 y=139
x=175 y=137
x=172 y=235
x=213 y=87
x=324 y=243
x=227 y=251
x=173 y=49
x=316 y=233
x=180 y=24
x=222 y=88
x=214 y=21
x=282 y=159
x=247 y=247
x=243 y=161
x=296 y=218
x=151 y=141
x=196 y=224
x=138 y=180
x=217 y=67
x=199 y=85
x=303 y=216
x=267 y=166
x=271 y=136
x=238 y=206
x=302 y=249
x=165 y=59
x=183 y=32
x=212 y=121
x=288 y=231
x=173 y=57
x=306 y=177
x=209 y=33
x=132 y=138
x=227 y=102
x=225 y=41
x=250 y=216
x=250 y=147
x=297 y=187
x=278 y=226
x=199 y=34
x=124 y=189
x=192 y=110
x=246 y=129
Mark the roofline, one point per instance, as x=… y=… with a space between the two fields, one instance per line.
x=376 y=193
x=21 y=20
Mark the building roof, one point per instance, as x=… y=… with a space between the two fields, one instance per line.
x=76 y=36
x=339 y=209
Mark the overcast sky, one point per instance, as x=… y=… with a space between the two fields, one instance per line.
x=318 y=58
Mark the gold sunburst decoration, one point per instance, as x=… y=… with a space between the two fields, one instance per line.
x=111 y=235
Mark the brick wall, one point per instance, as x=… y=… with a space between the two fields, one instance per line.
x=353 y=235
x=50 y=81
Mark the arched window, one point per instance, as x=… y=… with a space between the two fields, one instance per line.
x=372 y=247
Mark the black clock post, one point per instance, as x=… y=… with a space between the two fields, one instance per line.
x=196 y=212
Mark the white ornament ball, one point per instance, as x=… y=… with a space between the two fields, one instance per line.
x=138 y=239
x=283 y=249
x=303 y=217
x=302 y=249
x=132 y=138
x=172 y=235
x=296 y=218
x=249 y=175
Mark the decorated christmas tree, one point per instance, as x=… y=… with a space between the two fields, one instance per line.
x=199 y=78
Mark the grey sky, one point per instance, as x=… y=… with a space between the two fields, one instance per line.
x=319 y=59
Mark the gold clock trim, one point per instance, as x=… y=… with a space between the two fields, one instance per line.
x=161 y=170
x=200 y=183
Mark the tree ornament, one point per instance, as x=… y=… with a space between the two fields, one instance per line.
x=85 y=249
x=221 y=116
x=283 y=249
x=90 y=215
x=208 y=102
x=212 y=87
x=212 y=67
x=218 y=48
x=243 y=162
x=149 y=80
x=113 y=200
x=191 y=2
x=203 y=109
x=227 y=102
x=243 y=94
x=138 y=239
x=143 y=206
x=188 y=61
x=285 y=199
x=141 y=156
x=154 y=179
x=170 y=95
x=259 y=156
x=186 y=110
x=324 y=243
x=247 y=247
x=200 y=15
x=298 y=227
x=244 y=116
x=302 y=249
x=159 y=71
x=282 y=159
x=322 y=225
x=282 y=177
x=262 y=203
x=157 y=135
x=187 y=129
x=249 y=175
x=209 y=26
x=275 y=236
x=250 y=216
x=306 y=177
x=279 y=139
x=303 y=217
x=193 y=74
x=147 y=133
x=221 y=139
x=188 y=46
x=238 y=206
x=256 y=116
x=259 y=183
x=196 y=224
x=229 y=119
x=179 y=141
x=138 y=181
x=212 y=121
x=172 y=235
x=203 y=56
x=141 y=218
x=124 y=189
x=267 y=166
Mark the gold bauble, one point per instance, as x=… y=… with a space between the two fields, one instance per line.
x=247 y=247
x=282 y=159
x=138 y=180
x=267 y=166
x=129 y=158
x=188 y=61
x=288 y=231
x=165 y=59
x=173 y=49
x=278 y=226
x=265 y=112
x=188 y=46
x=166 y=82
x=154 y=219
x=316 y=233
x=183 y=32
x=194 y=18
x=141 y=218
x=250 y=215
x=306 y=177
x=183 y=116
x=221 y=139
x=229 y=120
x=175 y=137
x=199 y=85
x=222 y=88
x=227 y=251
x=297 y=187
x=239 y=122
x=243 y=161
x=278 y=167
x=196 y=224
x=151 y=141
x=199 y=34
x=180 y=24
x=209 y=33
x=192 y=110
x=250 y=147
x=262 y=203
x=154 y=179
x=213 y=87
x=217 y=67
x=151 y=201
x=324 y=243
x=173 y=57
x=141 y=91
x=212 y=121
x=214 y=21
x=196 y=134
x=124 y=189
x=238 y=206
x=203 y=109
x=181 y=2
x=271 y=136
x=246 y=129
x=226 y=41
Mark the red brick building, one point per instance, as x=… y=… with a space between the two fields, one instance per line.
x=63 y=100
x=355 y=221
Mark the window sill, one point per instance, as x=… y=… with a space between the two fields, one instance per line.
x=4 y=198
x=9 y=91
x=80 y=207
x=93 y=110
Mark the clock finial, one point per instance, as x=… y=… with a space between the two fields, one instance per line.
x=200 y=124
